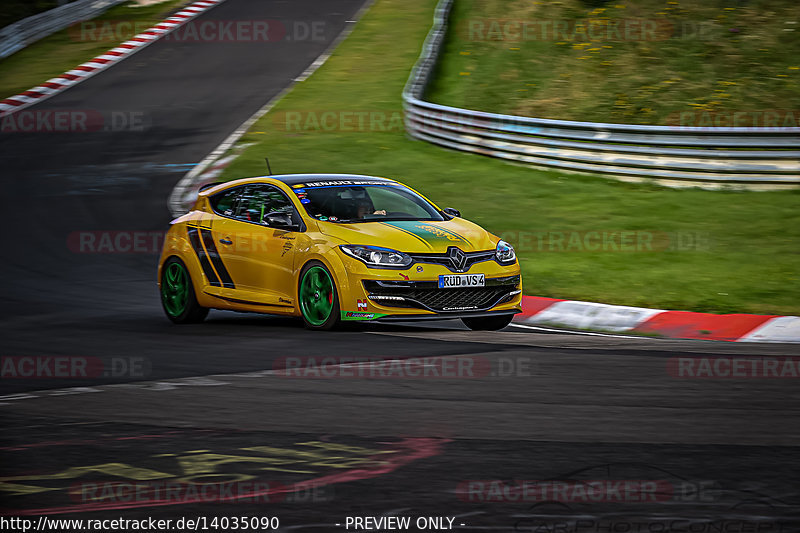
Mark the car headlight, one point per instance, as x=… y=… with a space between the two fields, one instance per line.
x=377 y=257
x=505 y=253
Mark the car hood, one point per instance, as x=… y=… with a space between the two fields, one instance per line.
x=413 y=236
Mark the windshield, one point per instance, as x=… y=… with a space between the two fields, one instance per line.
x=355 y=202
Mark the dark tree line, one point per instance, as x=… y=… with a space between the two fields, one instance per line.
x=14 y=10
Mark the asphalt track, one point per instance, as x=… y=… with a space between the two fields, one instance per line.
x=209 y=407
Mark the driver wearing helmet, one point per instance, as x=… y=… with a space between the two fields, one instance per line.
x=365 y=207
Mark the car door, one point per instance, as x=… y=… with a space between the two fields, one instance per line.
x=260 y=258
x=204 y=243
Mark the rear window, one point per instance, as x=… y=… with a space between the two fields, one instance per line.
x=225 y=202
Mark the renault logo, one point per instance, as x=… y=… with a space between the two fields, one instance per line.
x=457 y=258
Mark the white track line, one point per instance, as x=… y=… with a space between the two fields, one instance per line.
x=573 y=332
x=209 y=380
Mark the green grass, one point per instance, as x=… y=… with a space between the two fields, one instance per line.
x=705 y=58
x=751 y=262
x=70 y=47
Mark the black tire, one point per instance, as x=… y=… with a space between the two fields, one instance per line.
x=333 y=320
x=191 y=312
x=488 y=323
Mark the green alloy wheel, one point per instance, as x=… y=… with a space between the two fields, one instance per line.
x=318 y=302
x=175 y=289
x=177 y=294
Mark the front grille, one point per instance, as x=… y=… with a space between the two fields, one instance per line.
x=446 y=259
x=427 y=295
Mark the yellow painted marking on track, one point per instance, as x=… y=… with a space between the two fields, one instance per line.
x=208 y=462
x=343 y=447
x=16 y=489
x=313 y=456
x=111 y=469
x=288 y=470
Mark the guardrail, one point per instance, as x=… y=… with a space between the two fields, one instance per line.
x=751 y=158
x=20 y=34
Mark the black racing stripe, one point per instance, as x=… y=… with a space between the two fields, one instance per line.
x=213 y=254
x=194 y=238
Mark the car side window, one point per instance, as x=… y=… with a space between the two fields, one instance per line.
x=258 y=201
x=224 y=203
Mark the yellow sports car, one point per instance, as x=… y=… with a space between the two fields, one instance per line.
x=333 y=248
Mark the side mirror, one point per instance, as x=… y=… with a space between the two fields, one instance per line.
x=280 y=221
x=452 y=212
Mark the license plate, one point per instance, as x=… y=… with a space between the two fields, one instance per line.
x=459 y=281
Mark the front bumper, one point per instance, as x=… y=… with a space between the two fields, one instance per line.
x=412 y=294
x=427 y=296
x=470 y=314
